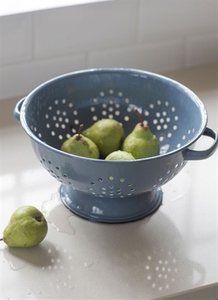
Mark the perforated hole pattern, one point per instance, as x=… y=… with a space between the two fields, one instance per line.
x=59 y=124
x=110 y=186
x=58 y=121
x=55 y=120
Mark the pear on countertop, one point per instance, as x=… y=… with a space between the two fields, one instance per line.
x=27 y=228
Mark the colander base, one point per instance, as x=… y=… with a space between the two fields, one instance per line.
x=111 y=210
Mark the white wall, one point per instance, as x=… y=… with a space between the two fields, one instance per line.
x=155 y=35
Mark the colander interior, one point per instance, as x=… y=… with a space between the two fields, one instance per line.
x=55 y=109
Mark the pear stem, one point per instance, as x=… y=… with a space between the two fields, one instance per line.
x=140 y=118
x=79 y=132
x=1 y=239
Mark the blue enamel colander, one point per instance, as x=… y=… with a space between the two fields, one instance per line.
x=114 y=191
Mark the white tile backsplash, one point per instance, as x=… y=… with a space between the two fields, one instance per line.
x=84 y=27
x=202 y=49
x=156 y=35
x=15 y=39
x=18 y=80
x=154 y=57
x=169 y=19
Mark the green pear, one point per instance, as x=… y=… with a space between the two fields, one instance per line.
x=27 y=228
x=107 y=134
x=120 y=155
x=80 y=145
x=141 y=143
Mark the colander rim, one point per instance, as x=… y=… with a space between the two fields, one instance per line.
x=135 y=72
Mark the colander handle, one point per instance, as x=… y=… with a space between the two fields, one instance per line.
x=18 y=108
x=203 y=154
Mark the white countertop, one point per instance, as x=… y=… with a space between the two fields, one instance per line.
x=173 y=252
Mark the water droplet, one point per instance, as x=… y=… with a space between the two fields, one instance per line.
x=64 y=284
x=71 y=287
x=88 y=263
x=15 y=263
x=58 y=215
x=177 y=198
x=14 y=267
